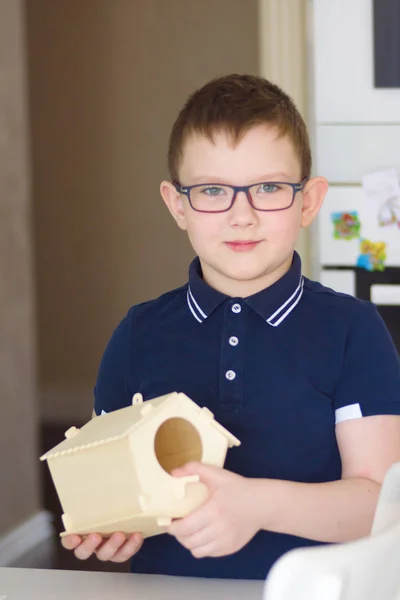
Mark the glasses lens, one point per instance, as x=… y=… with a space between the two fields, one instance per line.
x=271 y=196
x=211 y=198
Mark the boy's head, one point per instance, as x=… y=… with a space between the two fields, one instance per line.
x=243 y=131
x=234 y=104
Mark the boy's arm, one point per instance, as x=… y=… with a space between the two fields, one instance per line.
x=341 y=510
x=368 y=387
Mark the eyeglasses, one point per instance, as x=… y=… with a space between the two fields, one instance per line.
x=266 y=196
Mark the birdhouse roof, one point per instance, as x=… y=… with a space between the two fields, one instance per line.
x=118 y=424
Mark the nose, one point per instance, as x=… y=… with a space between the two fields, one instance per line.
x=242 y=214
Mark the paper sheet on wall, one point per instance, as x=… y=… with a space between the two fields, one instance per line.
x=382 y=197
x=380 y=230
x=380 y=186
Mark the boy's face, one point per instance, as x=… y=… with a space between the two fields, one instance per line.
x=243 y=250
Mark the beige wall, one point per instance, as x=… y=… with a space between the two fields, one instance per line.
x=19 y=496
x=107 y=79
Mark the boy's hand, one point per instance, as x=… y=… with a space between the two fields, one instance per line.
x=225 y=522
x=117 y=548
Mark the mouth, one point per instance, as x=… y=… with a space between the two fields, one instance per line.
x=242 y=245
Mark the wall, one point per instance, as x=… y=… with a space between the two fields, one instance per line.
x=106 y=80
x=18 y=423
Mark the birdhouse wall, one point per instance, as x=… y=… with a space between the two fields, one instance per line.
x=97 y=482
x=173 y=437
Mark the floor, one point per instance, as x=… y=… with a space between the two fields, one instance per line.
x=58 y=557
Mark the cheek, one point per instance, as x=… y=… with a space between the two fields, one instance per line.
x=203 y=228
x=283 y=226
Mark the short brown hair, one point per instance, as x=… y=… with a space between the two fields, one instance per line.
x=235 y=103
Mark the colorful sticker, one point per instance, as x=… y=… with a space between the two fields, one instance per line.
x=346 y=225
x=372 y=255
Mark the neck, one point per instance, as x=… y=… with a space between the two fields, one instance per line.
x=236 y=288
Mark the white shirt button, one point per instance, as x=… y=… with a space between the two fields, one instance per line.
x=233 y=340
x=230 y=375
x=236 y=308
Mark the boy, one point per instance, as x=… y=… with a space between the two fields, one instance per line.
x=307 y=379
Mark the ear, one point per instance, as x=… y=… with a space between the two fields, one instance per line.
x=313 y=196
x=175 y=203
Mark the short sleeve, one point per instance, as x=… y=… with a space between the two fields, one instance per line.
x=369 y=382
x=113 y=388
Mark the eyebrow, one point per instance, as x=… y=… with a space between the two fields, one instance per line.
x=263 y=178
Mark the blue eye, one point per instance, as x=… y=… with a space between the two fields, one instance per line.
x=213 y=191
x=267 y=188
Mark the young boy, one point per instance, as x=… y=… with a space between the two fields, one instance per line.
x=308 y=379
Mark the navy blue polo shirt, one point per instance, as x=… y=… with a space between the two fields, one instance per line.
x=278 y=369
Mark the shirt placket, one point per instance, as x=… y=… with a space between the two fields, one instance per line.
x=232 y=356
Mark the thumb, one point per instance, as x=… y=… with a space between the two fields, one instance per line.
x=208 y=474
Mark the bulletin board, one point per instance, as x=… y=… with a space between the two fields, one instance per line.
x=338 y=249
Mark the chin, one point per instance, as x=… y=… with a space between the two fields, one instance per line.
x=245 y=274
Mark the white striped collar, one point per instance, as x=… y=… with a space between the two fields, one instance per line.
x=201 y=298
x=273 y=304
x=195 y=309
x=286 y=308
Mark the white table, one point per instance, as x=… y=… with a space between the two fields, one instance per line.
x=43 y=584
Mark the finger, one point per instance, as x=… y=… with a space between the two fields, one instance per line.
x=209 y=474
x=127 y=550
x=192 y=523
x=206 y=550
x=187 y=469
x=70 y=542
x=88 y=546
x=204 y=537
x=111 y=546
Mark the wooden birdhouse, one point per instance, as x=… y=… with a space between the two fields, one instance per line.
x=114 y=474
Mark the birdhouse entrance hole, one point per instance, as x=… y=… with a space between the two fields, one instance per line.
x=177 y=442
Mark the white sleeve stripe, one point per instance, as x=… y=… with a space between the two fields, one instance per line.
x=352 y=411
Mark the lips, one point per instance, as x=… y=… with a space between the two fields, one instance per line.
x=242 y=245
